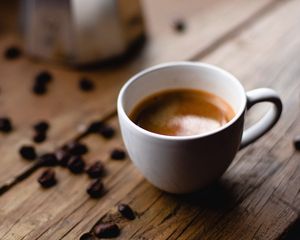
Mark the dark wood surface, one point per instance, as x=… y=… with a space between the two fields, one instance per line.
x=257 y=198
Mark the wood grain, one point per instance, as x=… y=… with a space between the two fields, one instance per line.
x=251 y=208
x=258 y=197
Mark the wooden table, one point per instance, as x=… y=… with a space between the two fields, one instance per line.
x=257 y=198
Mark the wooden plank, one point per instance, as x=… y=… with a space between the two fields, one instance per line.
x=252 y=200
x=264 y=179
x=65 y=115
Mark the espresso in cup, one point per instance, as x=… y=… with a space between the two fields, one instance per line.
x=182 y=112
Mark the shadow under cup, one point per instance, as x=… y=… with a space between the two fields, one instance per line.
x=181 y=164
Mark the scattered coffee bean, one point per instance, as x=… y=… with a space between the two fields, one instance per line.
x=43 y=78
x=107 y=131
x=95 y=190
x=118 y=154
x=95 y=127
x=39 y=89
x=63 y=157
x=87 y=236
x=48 y=159
x=107 y=230
x=39 y=137
x=12 y=52
x=180 y=26
x=297 y=142
x=42 y=126
x=77 y=148
x=47 y=179
x=95 y=170
x=41 y=81
x=76 y=164
x=86 y=84
x=5 y=125
x=27 y=152
x=126 y=211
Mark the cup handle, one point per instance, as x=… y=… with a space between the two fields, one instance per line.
x=268 y=121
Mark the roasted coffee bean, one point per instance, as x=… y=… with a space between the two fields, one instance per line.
x=118 y=154
x=47 y=179
x=95 y=170
x=12 y=52
x=87 y=236
x=95 y=127
x=5 y=125
x=107 y=230
x=63 y=157
x=179 y=26
x=126 y=211
x=43 y=78
x=41 y=126
x=77 y=148
x=107 y=131
x=48 y=159
x=95 y=190
x=39 y=137
x=76 y=164
x=297 y=142
x=86 y=84
x=27 y=152
x=39 y=89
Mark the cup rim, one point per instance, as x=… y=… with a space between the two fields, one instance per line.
x=177 y=64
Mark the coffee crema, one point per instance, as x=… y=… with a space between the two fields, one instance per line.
x=182 y=112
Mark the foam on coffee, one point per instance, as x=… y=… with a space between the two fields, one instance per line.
x=182 y=112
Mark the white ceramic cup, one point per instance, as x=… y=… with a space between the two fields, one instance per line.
x=182 y=164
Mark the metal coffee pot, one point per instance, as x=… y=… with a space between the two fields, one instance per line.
x=80 y=32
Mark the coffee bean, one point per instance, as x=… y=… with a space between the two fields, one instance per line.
x=95 y=170
x=43 y=78
x=126 y=211
x=12 y=52
x=86 y=85
x=107 y=131
x=87 y=236
x=47 y=179
x=39 y=89
x=95 y=127
x=63 y=157
x=39 y=137
x=76 y=164
x=27 y=152
x=107 y=230
x=179 y=26
x=5 y=125
x=76 y=148
x=118 y=154
x=297 y=142
x=41 y=126
x=41 y=81
x=48 y=159
x=95 y=190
